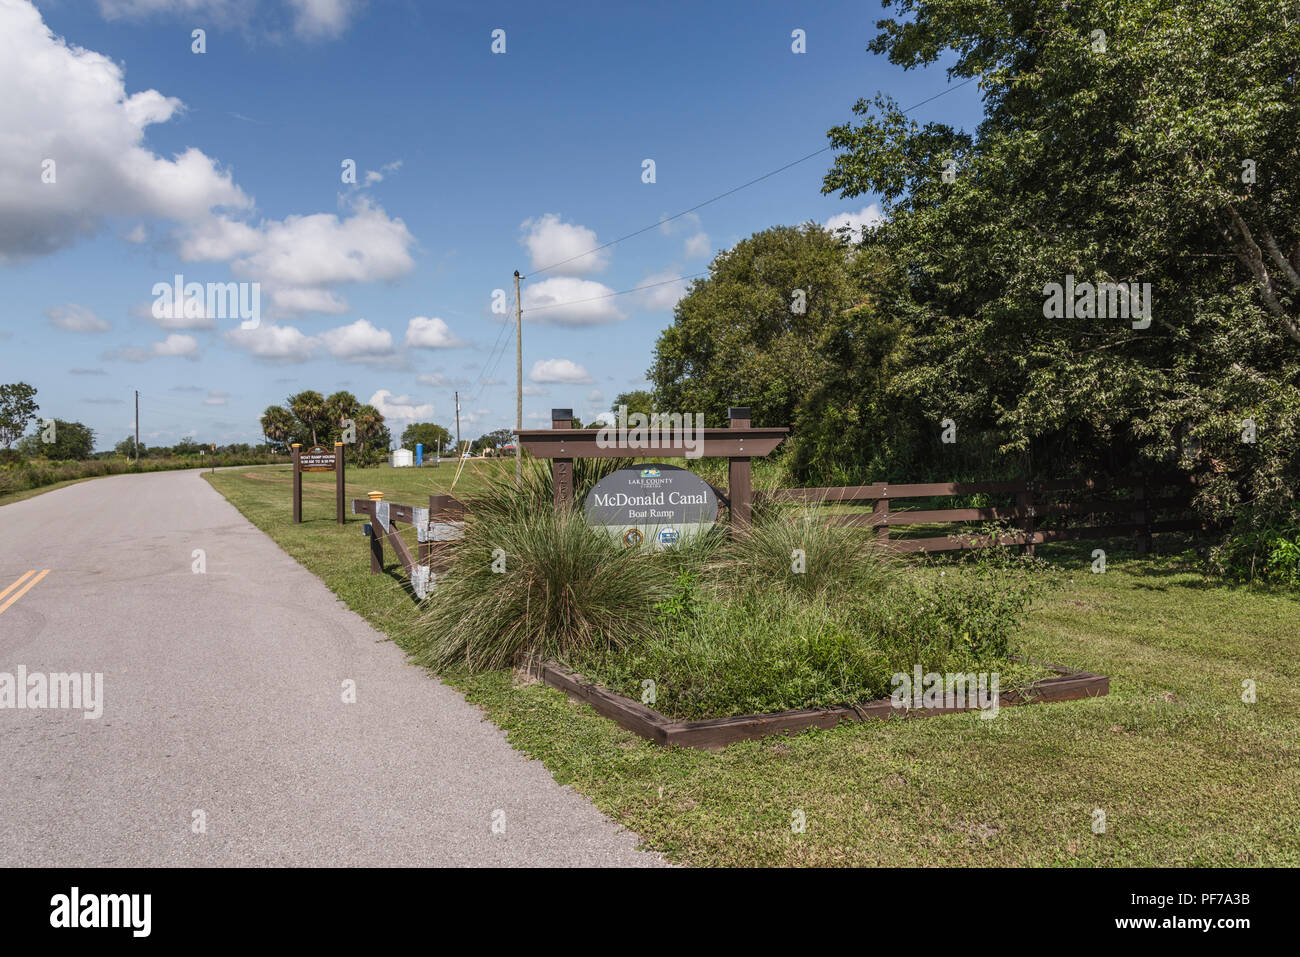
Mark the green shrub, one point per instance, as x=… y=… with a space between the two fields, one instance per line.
x=1262 y=546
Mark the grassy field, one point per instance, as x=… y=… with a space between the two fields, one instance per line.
x=1185 y=772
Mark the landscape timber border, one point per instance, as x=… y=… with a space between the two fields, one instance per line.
x=712 y=734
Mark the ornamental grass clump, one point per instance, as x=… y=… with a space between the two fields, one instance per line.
x=796 y=550
x=530 y=582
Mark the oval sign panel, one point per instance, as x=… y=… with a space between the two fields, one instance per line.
x=659 y=505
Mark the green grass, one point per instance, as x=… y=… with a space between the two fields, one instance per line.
x=1186 y=773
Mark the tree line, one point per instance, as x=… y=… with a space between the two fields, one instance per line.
x=1145 y=143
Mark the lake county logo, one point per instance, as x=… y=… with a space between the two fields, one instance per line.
x=633 y=537
x=669 y=536
x=650 y=473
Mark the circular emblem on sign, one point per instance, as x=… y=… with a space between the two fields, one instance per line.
x=633 y=537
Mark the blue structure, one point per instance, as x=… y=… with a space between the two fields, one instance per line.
x=419 y=453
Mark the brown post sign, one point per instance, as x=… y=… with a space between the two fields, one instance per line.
x=318 y=458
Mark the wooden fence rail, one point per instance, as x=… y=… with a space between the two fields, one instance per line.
x=1139 y=510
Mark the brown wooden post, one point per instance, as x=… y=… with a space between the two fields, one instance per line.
x=881 y=512
x=1143 y=517
x=1025 y=509
x=739 y=477
x=338 y=482
x=297 y=483
x=376 y=538
x=562 y=469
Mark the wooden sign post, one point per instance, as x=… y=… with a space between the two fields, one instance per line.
x=739 y=443
x=318 y=459
x=297 y=484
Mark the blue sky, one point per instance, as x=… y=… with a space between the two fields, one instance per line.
x=226 y=166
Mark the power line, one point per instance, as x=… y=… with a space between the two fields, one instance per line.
x=736 y=189
x=623 y=292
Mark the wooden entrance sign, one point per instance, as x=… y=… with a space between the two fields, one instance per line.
x=318 y=458
x=741 y=442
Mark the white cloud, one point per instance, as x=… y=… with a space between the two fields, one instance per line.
x=430 y=332
x=697 y=246
x=216 y=398
x=358 y=342
x=298 y=258
x=74 y=318
x=550 y=241
x=682 y=221
x=377 y=175
x=312 y=19
x=174 y=346
x=565 y=301
x=401 y=407
x=177 y=344
x=662 y=290
x=274 y=343
x=321 y=19
x=867 y=216
x=558 y=370
x=69 y=105
x=535 y=390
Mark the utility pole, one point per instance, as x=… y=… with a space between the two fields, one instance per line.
x=519 y=384
x=457 y=394
x=137 y=425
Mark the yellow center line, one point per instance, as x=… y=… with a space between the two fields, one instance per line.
x=21 y=579
x=22 y=591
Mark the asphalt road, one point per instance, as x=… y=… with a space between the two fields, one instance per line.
x=223 y=694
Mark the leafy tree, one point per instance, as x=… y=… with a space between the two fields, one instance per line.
x=16 y=410
x=433 y=437
x=491 y=440
x=1163 y=150
x=72 y=441
x=746 y=334
x=638 y=400
x=127 y=448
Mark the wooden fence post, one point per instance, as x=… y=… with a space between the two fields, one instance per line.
x=1025 y=508
x=297 y=483
x=881 y=513
x=338 y=482
x=739 y=476
x=1143 y=518
x=562 y=469
x=376 y=538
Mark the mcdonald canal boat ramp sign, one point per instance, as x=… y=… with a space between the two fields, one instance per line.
x=660 y=505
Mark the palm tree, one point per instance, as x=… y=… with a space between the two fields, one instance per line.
x=369 y=423
x=338 y=407
x=277 y=424
x=308 y=407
